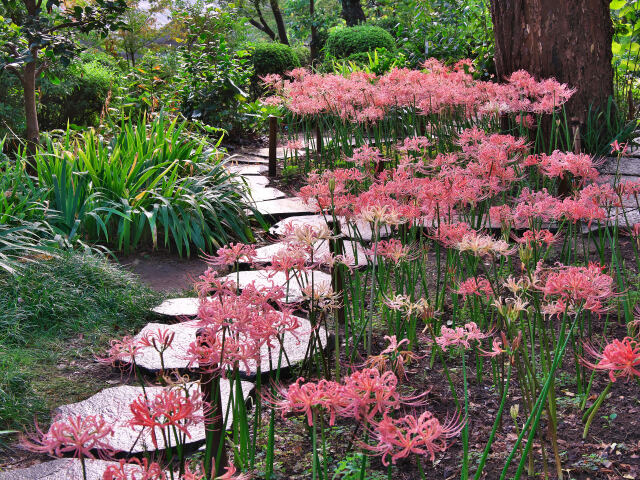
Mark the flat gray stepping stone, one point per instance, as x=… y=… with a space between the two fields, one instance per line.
x=361 y=230
x=628 y=166
x=281 y=152
x=353 y=251
x=266 y=278
x=175 y=357
x=250 y=159
x=63 y=469
x=284 y=207
x=245 y=170
x=113 y=405
x=261 y=194
x=280 y=228
x=178 y=307
x=256 y=181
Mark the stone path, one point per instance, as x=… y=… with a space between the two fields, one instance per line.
x=113 y=405
x=63 y=469
x=175 y=357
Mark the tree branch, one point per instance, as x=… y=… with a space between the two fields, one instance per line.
x=13 y=68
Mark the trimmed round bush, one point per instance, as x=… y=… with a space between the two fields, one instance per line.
x=344 y=42
x=273 y=58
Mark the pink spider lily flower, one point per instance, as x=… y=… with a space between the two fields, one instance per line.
x=460 y=337
x=75 y=435
x=392 y=358
x=617 y=148
x=393 y=250
x=160 y=339
x=577 y=287
x=232 y=254
x=134 y=469
x=122 y=352
x=169 y=408
x=305 y=398
x=537 y=238
x=479 y=286
x=620 y=358
x=408 y=435
x=558 y=163
x=231 y=474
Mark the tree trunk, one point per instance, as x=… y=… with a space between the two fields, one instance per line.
x=569 y=40
x=352 y=12
x=30 y=106
x=313 y=47
x=277 y=15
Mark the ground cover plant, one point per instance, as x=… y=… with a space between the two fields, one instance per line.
x=55 y=313
x=500 y=271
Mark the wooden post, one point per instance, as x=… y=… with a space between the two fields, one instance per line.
x=273 y=145
x=318 y=141
x=214 y=419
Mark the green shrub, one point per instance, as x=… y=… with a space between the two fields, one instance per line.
x=304 y=55
x=153 y=184
x=273 y=58
x=344 y=42
x=77 y=96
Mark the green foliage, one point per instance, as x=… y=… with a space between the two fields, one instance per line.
x=52 y=300
x=343 y=42
x=304 y=55
x=216 y=78
x=12 y=121
x=379 y=61
x=77 y=96
x=626 y=54
x=270 y=58
x=152 y=184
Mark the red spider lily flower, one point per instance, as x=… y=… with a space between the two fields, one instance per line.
x=304 y=398
x=424 y=435
x=122 y=352
x=585 y=287
x=232 y=254
x=169 y=408
x=460 y=337
x=134 y=469
x=621 y=358
x=160 y=340
x=392 y=250
x=537 y=237
x=558 y=163
x=475 y=286
x=617 y=148
x=76 y=435
x=392 y=358
x=230 y=474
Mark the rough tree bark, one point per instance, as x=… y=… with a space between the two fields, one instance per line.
x=566 y=39
x=277 y=15
x=352 y=12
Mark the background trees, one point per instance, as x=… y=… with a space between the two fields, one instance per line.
x=39 y=35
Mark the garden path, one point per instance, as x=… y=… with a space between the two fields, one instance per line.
x=275 y=205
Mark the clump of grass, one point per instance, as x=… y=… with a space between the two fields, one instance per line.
x=52 y=301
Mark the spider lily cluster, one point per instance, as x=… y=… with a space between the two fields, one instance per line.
x=490 y=262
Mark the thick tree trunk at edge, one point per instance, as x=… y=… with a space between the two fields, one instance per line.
x=569 y=40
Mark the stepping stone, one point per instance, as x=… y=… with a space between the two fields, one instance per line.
x=280 y=228
x=295 y=347
x=63 y=469
x=353 y=251
x=178 y=307
x=265 y=278
x=284 y=207
x=281 y=152
x=245 y=170
x=361 y=230
x=113 y=405
x=250 y=159
x=628 y=166
x=256 y=181
x=261 y=194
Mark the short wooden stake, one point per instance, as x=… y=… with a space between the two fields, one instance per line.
x=273 y=145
